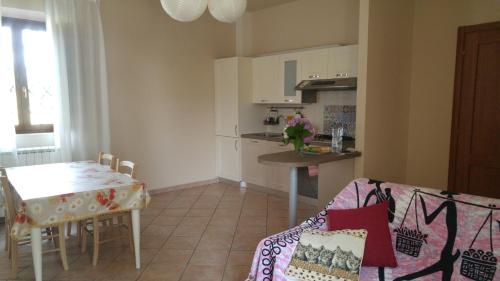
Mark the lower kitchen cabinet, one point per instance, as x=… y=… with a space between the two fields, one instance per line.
x=255 y=173
x=228 y=158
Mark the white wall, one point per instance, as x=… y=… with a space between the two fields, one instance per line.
x=161 y=89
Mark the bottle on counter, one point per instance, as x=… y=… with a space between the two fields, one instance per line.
x=337 y=133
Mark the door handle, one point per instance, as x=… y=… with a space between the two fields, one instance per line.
x=236 y=145
x=235 y=130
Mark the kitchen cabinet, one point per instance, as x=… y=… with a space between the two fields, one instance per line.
x=314 y=64
x=343 y=61
x=255 y=173
x=275 y=78
x=290 y=70
x=251 y=170
x=266 y=79
x=279 y=176
x=228 y=158
x=226 y=97
x=235 y=113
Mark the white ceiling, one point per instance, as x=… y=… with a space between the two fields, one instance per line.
x=254 y=5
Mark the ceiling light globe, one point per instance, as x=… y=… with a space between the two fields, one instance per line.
x=227 y=10
x=184 y=10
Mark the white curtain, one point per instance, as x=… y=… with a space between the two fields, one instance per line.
x=82 y=129
x=8 y=149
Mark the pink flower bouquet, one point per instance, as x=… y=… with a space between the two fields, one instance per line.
x=299 y=131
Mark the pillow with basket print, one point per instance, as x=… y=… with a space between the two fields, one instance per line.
x=328 y=255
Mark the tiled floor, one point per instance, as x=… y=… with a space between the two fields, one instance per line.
x=205 y=233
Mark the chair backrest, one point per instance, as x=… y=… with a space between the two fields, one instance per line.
x=108 y=160
x=126 y=167
x=8 y=198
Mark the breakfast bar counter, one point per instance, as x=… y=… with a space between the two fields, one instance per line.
x=335 y=171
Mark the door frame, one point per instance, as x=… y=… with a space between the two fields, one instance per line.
x=457 y=95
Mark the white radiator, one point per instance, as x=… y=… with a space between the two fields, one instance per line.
x=36 y=156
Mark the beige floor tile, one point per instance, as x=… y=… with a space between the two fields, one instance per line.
x=166 y=221
x=205 y=233
x=203 y=273
x=244 y=230
x=195 y=221
x=209 y=257
x=182 y=242
x=120 y=271
x=158 y=230
x=246 y=242
x=252 y=221
x=189 y=230
x=201 y=212
x=260 y=212
x=166 y=255
x=240 y=258
x=236 y=273
x=162 y=272
x=174 y=212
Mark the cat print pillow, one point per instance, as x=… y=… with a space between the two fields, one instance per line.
x=328 y=255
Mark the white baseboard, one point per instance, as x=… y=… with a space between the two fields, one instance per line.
x=182 y=186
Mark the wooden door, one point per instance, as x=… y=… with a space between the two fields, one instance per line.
x=228 y=158
x=475 y=139
x=314 y=64
x=266 y=85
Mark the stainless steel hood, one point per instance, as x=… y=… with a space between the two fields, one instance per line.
x=335 y=84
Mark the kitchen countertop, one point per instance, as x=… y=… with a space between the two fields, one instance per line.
x=275 y=137
x=293 y=159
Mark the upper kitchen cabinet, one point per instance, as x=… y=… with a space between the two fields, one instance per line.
x=234 y=111
x=275 y=78
x=290 y=70
x=265 y=82
x=343 y=61
x=314 y=64
x=226 y=97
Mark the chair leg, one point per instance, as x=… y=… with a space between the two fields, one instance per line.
x=130 y=233
x=13 y=261
x=79 y=232
x=68 y=230
x=95 y=253
x=62 y=247
x=84 y=238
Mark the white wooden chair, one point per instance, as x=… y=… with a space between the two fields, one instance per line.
x=107 y=222
x=56 y=231
x=108 y=159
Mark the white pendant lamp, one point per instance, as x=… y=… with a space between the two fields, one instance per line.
x=185 y=10
x=227 y=10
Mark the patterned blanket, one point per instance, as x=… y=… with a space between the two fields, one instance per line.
x=436 y=235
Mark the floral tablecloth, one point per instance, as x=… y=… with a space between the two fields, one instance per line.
x=46 y=195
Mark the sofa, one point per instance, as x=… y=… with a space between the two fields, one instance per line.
x=436 y=235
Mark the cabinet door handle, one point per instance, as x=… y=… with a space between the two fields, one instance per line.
x=235 y=130
x=254 y=141
x=236 y=145
x=288 y=100
x=263 y=100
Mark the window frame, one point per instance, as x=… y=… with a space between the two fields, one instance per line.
x=20 y=76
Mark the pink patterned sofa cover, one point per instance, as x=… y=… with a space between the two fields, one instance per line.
x=436 y=235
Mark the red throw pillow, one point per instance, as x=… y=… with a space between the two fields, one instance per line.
x=378 y=248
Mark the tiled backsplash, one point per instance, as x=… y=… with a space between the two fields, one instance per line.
x=345 y=114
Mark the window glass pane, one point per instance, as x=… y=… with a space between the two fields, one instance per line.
x=40 y=71
x=7 y=80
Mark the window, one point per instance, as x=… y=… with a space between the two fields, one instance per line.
x=29 y=74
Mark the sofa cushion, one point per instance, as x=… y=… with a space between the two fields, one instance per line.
x=378 y=251
x=328 y=255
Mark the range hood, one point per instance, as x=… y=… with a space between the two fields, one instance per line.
x=335 y=84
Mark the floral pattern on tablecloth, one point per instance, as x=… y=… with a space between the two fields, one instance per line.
x=113 y=192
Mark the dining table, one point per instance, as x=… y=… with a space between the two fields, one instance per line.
x=51 y=194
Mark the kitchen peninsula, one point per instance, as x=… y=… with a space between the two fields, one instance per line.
x=335 y=171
